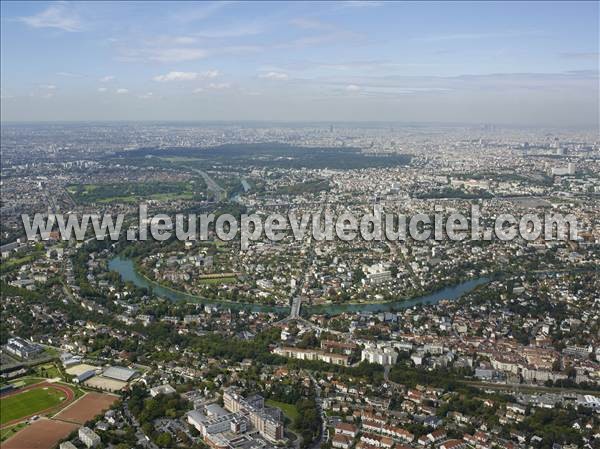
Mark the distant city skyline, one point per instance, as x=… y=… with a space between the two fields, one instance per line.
x=512 y=63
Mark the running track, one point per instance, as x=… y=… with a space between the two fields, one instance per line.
x=64 y=389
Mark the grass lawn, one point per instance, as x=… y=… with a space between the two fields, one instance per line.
x=29 y=402
x=156 y=196
x=48 y=370
x=218 y=280
x=25 y=381
x=13 y=263
x=52 y=351
x=10 y=431
x=172 y=196
x=179 y=159
x=288 y=410
x=131 y=192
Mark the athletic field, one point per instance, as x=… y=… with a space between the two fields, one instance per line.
x=32 y=401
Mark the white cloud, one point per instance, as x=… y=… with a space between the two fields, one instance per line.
x=186 y=76
x=329 y=37
x=146 y=96
x=176 y=54
x=274 y=76
x=69 y=74
x=198 y=90
x=165 y=49
x=210 y=74
x=122 y=91
x=237 y=50
x=176 y=76
x=184 y=40
x=102 y=89
x=176 y=49
x=48 y=86
x=107 y=78
x=55 y=16
x=352 y=88
x=219 y=86
x=170 y=41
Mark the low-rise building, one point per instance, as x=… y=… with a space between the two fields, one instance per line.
x=89 y=437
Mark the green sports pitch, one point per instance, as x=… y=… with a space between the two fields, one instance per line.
x=28 y=403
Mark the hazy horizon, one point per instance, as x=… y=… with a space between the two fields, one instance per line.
x=303 y=123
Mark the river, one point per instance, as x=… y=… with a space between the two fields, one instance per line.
x=126 y=268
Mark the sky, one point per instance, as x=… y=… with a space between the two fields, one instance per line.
x=517 y=63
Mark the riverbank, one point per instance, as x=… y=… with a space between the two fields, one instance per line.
x=126 y=269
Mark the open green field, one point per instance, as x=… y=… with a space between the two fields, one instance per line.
x=288 y=410
x=180 y=159
x=25 y=381
x=130 y=192
x=225 y=280
x=15 y=262
x=28 y=403
x=49 y=370
x=217 y=279
x=156 y=197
